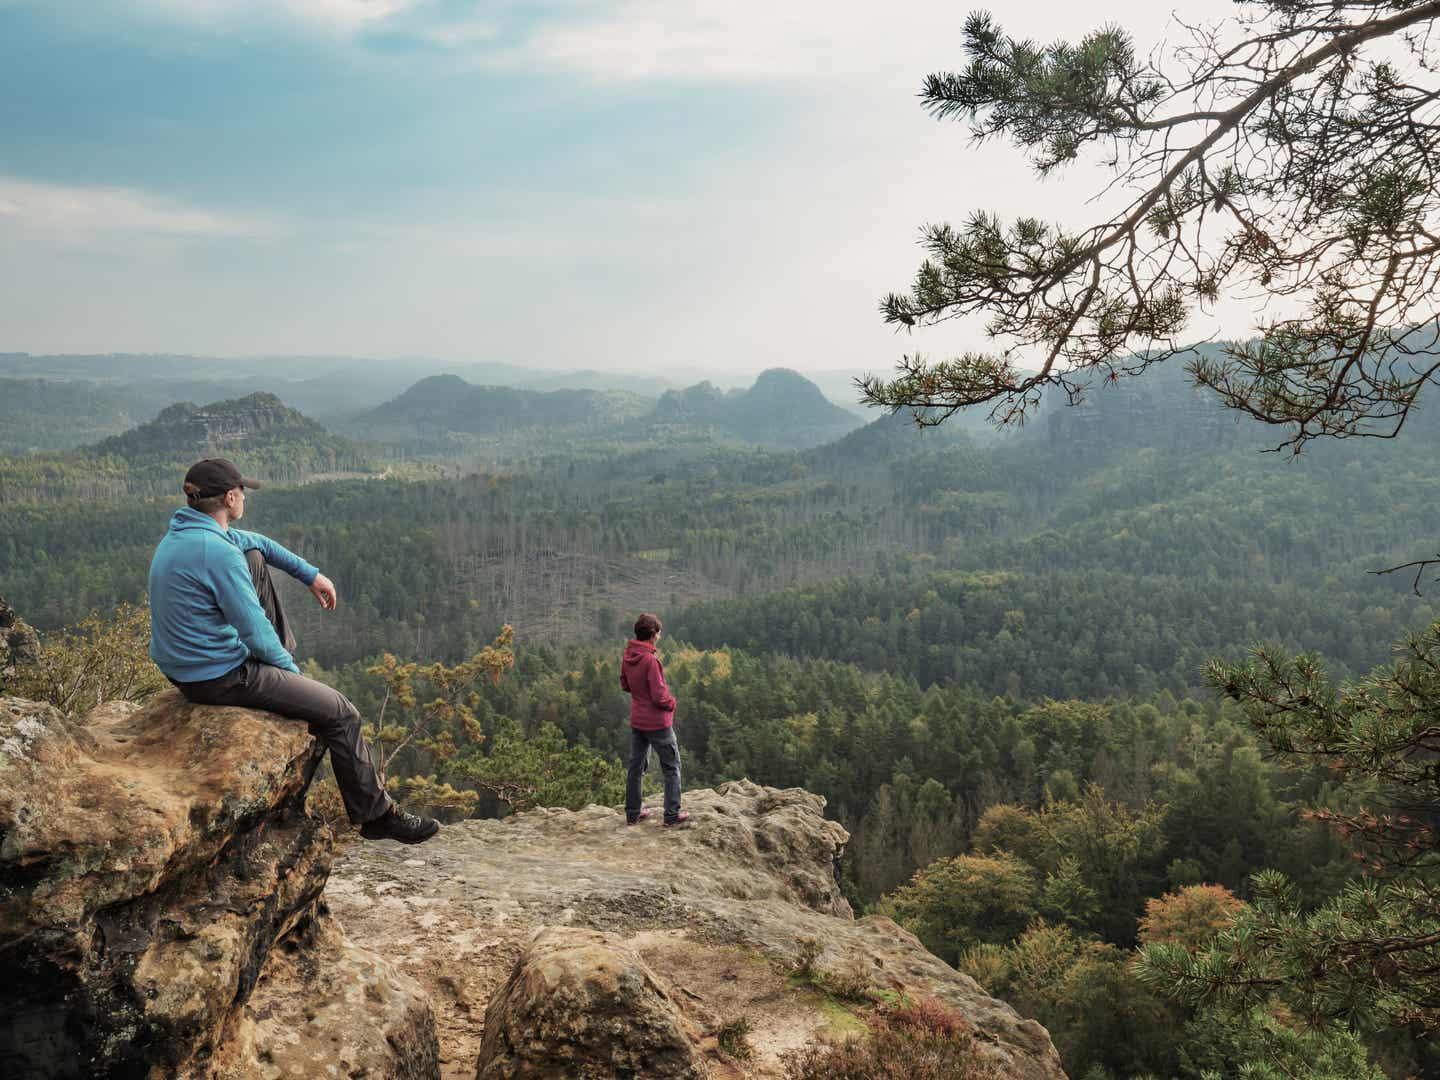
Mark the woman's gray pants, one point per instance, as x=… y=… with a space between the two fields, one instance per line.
x=668 y=751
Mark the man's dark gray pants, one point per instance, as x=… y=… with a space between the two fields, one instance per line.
x=668 y=751
x=331 y=716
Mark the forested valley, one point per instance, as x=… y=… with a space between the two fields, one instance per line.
x=988 y=654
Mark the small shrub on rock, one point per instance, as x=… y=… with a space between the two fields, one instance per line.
x=734 y=1039
x=923 y=1040
x=101 y=659
x=847 y=987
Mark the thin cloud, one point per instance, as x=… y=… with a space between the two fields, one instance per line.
x=459 y=35
x=726 y=40
x=761 y=41
x=94 y=210
x=735 y=41
x=336 y=14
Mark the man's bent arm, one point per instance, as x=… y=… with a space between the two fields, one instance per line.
x=277 y=555
x=235 y=593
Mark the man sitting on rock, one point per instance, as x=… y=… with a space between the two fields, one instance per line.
x=652 y=719
x=218 y=632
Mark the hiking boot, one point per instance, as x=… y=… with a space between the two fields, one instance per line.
x=681 y=819
x=399 y=825
x=645 y=813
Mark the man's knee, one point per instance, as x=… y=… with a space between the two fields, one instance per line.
x=338 y=716
x=347 y=717
x=255 y=559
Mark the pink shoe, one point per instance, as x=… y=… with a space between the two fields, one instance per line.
x=645 y=813
x=681 y=819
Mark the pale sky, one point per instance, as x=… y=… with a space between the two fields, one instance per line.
x=614 y=184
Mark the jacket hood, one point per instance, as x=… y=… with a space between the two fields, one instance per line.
x=636 y=651
x=186 y=519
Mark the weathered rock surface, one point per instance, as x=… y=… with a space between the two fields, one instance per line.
x=18 y=644
x=150 y=859
x=326 y=1007
x=582 y=1006
x=161 y=916
x=716 y=915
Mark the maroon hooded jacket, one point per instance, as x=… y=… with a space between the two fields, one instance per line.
x=652 y=706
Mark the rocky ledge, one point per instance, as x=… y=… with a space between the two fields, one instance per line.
x=160 y=906
x=567 y=944
x=168 y=909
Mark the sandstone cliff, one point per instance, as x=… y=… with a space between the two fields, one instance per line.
x=158 y=879
x=169 y=909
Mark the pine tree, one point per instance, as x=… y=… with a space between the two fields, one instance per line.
x=1281 y=153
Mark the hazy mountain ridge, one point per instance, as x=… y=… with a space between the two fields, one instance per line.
x=437 y=408
x=323 y=386
x=331 y=387
x=781 y=409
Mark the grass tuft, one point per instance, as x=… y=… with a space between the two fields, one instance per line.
x=922 y=1040
x=734 y=1039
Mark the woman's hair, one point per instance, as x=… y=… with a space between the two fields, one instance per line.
x=646 y=627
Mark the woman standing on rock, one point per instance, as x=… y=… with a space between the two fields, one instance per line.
x=652 y=720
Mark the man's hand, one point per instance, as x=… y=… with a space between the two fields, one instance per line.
x=324 y=590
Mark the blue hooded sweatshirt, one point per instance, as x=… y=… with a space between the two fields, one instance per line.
x=205 y=619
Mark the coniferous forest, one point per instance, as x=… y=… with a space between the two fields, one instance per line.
x=989 y=654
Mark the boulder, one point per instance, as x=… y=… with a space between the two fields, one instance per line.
x=94 y=814
x=580 y=1006
x=150 y=860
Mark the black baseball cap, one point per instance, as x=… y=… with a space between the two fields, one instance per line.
x=215 y=476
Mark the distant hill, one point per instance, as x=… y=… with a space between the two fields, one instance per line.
x=257 y=420
x=445 y=410
x=782 y=409
x=264 y=436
